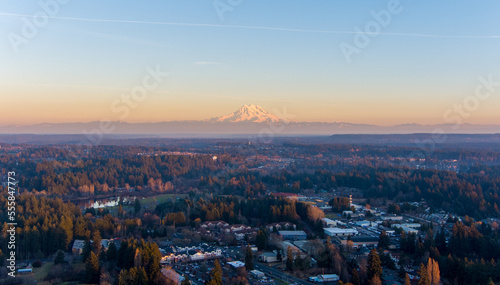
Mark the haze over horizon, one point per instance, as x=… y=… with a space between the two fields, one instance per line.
x=76 y=67
x=247 y=121
x=248 y=113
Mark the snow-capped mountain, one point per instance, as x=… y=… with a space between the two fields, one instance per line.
x=247 y=120
x=248 y=113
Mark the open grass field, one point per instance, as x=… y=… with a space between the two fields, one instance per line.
x=333 y=216
x=40 y=273
x=149 y=202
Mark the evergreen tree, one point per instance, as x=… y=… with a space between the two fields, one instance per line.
x=92 y=270
x=374 y=265
x=59 y=257
x=137 y=206
x=436 y=273
x=440 y=242
x=424 y=276
x=407 y=279
x=96 y=242
x=490 y=281
x=279 y=255
x=133 y=276
x=215 y=277
x=249 y=258
x=122 y=254
x=289 y=259
x=355 y=280
x=112 y=252
x=120 y=211
x=142 y=278
x=125 y=278
x=87 y=248
x=433 y=272
x=383 y=240
x=151 y=257
x=375 y=280
x=102 y=256
x=261 y=241
x=67 y=225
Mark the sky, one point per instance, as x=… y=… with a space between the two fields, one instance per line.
x=379 y=62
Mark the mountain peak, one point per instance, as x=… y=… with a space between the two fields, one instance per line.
x=249 y=113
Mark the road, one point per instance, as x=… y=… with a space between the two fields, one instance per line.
x=280 y=275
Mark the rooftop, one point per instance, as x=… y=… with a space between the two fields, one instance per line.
x=292 y=233
x=236 y=264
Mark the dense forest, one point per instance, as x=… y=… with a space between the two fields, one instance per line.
x=380 y=172
x=471 y=193
x=104 y=169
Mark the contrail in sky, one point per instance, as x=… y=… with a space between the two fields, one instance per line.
x=254 y=27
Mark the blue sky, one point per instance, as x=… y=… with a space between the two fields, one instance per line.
x=277 y=54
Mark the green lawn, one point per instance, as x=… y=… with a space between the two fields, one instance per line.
x=151 y=202
x=40 y=273
x=148 y=203
x=333 y=216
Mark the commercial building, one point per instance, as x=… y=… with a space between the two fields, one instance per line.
x=257 y=273
x=329 y=222
x=236 y=264
x=324 y=278
x=365 y=224
x=293 y=235
x=390 y=232
x=359 y=241
x=391 y=218
x=328 y=278
x=268 y=257
x=411 y=225
x=335 y=232
x=347 y=213
x=407 y=228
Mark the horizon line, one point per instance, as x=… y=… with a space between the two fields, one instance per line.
x=208 y=121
